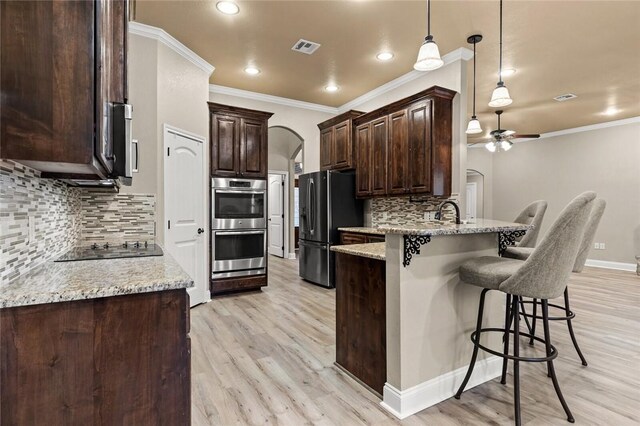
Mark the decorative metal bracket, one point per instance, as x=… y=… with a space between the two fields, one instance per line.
x=412 y=245
x=508 y=238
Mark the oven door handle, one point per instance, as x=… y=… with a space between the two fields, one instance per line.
x=238 y=233
x=236 y=191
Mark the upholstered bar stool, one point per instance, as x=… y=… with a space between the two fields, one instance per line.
x=523 y=253
x=533 y=214
x=542 y=276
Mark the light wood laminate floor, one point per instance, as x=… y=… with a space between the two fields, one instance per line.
x=267 y=358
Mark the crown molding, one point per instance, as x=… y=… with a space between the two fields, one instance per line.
x=224 y=90
x=563 y=132
x=168 y=40
x=461 y=53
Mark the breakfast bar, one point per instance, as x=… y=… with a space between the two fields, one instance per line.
x=410 y=345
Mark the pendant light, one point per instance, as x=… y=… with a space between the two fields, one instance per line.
x=474 y=125
x=428 y=55
x=500 y=96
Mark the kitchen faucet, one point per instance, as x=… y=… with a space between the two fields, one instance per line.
x=438 y=215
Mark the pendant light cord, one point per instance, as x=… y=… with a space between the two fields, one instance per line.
x=474 y=78
x=428 y=18
x=500 y=42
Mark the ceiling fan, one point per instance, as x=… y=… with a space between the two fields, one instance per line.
x=500 y=139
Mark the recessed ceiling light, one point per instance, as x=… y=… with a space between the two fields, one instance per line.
x=611 y=111
x=384 y=56
x=227 y=7
x=252 y=70
x=508 y=72
x=331 y=88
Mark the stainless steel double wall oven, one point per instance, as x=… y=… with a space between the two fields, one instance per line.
x=239 y=227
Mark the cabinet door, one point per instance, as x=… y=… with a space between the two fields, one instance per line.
x=363 y=160
x=111 y=72
x=253 y=148
x=347 y=238
x=326 y=148
x=397 y=153
x=419 y=161
x=225 y=143
x=46 y=69
x=379 y=139
x=342 y=148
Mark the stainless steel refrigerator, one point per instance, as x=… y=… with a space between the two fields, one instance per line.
x=327 y=201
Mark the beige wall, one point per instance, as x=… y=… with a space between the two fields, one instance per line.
x=557 y=169
x=302 y=121
x=164 y=88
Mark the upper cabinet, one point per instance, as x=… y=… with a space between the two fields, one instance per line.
x=336 y=142
x=63 y=64
x=405 y=147
x=238 y=142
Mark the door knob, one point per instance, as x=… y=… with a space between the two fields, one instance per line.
x=200 y=230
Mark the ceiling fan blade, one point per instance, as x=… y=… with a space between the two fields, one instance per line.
x=519 y=136
x=508 y=132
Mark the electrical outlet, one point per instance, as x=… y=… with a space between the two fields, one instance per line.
x=599 y=246
x=596 y=246
x=602 y=247
x=384 y=215
x=425 y=216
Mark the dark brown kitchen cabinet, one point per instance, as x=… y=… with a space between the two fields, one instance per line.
x=336 y=142
x=238 y=141
x=371 y=158
x=62 y=64
x=413 y=156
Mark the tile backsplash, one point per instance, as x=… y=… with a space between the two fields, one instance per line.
x=403 y=210
x=52 y=208
x=60 y=217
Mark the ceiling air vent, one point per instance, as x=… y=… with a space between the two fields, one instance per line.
x=565 y=97
x=305 y=46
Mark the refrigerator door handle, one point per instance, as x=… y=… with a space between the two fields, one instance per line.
x=312 y=207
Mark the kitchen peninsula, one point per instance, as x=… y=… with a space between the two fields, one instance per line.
x=403 y=316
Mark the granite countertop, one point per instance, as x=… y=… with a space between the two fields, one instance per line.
x=479 y=226
x=363 y=230
x=54 y=282
x=370 y=250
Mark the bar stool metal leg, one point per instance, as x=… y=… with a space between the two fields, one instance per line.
x=475 y=346
x=516 y=363
x=505 y=338
x=552 y=372
x=533 y=321
x=570 y=326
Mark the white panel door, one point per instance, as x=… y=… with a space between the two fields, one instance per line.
x=276 y=215
x=472 y=200
x=184 y=209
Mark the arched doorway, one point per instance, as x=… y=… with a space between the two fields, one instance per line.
x=284 y=162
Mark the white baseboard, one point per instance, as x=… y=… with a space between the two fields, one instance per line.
x=611 y=265
x=404 y=403
x=292 y=256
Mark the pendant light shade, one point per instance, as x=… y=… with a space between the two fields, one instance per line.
x=491 y=146
x=429 y=55
x=500 y=96
x=474 y=126
x=506 y=145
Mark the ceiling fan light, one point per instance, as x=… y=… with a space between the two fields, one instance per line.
x=500 y=96
x=428 y=56
x=506 y=145
x=491 y=146
x=474 y=126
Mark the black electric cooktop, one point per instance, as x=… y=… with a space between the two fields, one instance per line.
x=111 y=251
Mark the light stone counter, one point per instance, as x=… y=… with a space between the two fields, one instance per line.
x=54 y=282
x=370 y=250
x=479 y=226
x=363 y=230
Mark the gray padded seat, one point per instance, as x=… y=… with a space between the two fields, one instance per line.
x=520 y=253
x=489 y=271
x=531 y=215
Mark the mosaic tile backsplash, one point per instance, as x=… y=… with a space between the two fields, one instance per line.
x=62 y=217
x=108 y=217
x=51 y=206
x=400 y=210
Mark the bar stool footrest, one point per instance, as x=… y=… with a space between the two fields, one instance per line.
x=553 y=355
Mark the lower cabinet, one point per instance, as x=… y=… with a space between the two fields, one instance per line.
x=115 y=360
x=359 y=238
x=232 y=285
x=361 y=347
